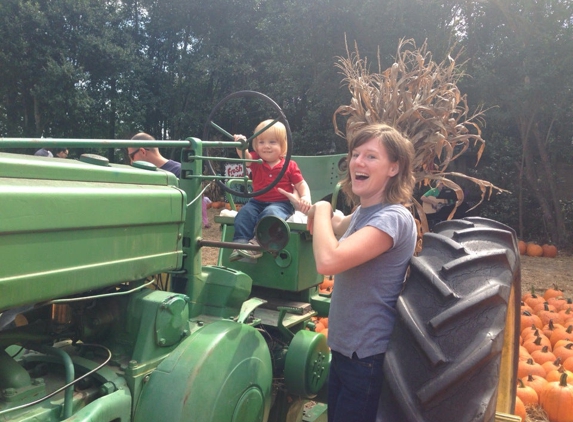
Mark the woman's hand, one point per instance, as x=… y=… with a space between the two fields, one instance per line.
x=320 y=207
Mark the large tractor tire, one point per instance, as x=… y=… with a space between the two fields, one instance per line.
x=454 y=350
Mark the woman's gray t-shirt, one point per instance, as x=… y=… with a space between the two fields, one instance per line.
x=362 y=309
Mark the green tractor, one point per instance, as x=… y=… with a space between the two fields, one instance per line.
x=89 y=331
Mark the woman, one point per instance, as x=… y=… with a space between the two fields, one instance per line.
x=369 y=261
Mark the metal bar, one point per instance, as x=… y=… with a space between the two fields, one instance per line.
x=221 y=144
x=228 y=245
x=230 y=160
x=220 y=129
x=91 y=143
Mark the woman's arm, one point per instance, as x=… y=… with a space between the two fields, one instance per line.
x=332 y=256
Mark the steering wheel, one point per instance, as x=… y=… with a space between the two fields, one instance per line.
x=280 y=117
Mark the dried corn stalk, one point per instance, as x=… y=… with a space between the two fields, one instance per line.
x=420 y=98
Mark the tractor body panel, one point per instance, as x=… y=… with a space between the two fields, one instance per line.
x=70 y=227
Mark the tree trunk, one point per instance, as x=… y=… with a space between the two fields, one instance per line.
x=541 y=186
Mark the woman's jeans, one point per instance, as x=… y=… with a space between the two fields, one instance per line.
x=354 y=387
x=250 y=214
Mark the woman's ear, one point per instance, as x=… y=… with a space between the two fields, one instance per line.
x=394 y=169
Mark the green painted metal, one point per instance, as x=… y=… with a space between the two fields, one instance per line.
x=307 y=364
x=322 y=173
x=79 y=238
x=292 y=269
x=67 y=228
x=233 y=357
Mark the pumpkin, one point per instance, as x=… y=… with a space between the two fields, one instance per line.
x=529 y=366
x=527 y=394
x=319 y=327
x=542 y=306
x=536 y=382
x=327 y=283
x=557 y=400
x=561 y=333
x=553 y=292
x=528 y=319
x=568 y=364
x=549 y=328
x=546 y=315
x=536 y=343
x=522 y=247
x=558 y=302
x=529 y=331
x=563 y=352
x=533 y=300
x=555 y=375
x=520 y=409
x=550 y=366
x=543 y=355
x=528 y=294
x=525 y=307
x=523 y=353
x=549 y=251
x=533 y=249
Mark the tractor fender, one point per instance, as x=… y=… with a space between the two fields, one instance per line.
x=221 y=373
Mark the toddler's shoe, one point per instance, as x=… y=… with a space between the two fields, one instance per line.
x=247 y=253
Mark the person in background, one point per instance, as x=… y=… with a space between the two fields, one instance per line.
x=152 y=155
x=437 y=203
x=368 y=252
x=44 y=152
x=271 y=147
x=204 y=202
x=61 y=152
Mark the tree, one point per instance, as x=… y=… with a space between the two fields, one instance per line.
x=522 y=55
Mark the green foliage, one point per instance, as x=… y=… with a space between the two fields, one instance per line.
x=110 y=68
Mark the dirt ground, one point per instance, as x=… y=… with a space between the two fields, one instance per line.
x=539 y=273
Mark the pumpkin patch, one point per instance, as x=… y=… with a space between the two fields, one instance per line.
x=545 y=377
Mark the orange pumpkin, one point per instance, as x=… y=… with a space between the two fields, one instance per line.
x=568 y=363
x=555 y=375
x=563 y=352
x=543 y=355
x=520 y=409
x=550 y=366
x=529 y=366
x=536 y=382
x=527 y=394
x=549 y=251
x=561 y=333
x=557 y=400
x=327 y=283
x=533 y=300
x=533 y=249
x=528 y=319
x=537 y=343
x=553 y=292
